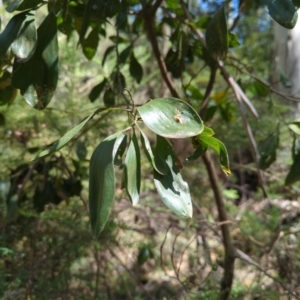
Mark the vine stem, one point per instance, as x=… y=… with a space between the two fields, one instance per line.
x=148 y=15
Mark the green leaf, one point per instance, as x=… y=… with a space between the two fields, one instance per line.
x=294 y=173
x=174 y=63
x=90 y=44
x=97 y=89
x=283 y=12
x=109 y=98
x=7 y=91
x=132 y=169
x=295 y=127
x=24 y=45
x=173 y=190
x=64 y=139
x=14 y=28
x=121 y=145
x=37 y=78
x=106 y=53
x=2 y=119
x=267 y=150
x=171 y=117
x=4 y=190
x=86 y=19
x=207 y=140
x=22 y=5
x=135 y=69
x=217 y=36
x=233 y=40
x=125 y=54
x=143 y=256
x=200 y=150
x=148 y=151
x=81 y=150
x=102 y=181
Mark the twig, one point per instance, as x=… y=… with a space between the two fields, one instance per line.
x=243 y=256
x=161 y=250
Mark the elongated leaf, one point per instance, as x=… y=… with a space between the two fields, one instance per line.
x=109 y=98
x=125 y=54
x=217 y=36
x=135 y=69
x=106 y=53
x=294 y=173
x=102 y=182
x=65 y=139
x=120 y=148
x=207 y=140
x=132 y=169
x=24 y=45
x=295 y=127
x=96 y=90
x=86 y=19
x=171 y=117
x=90 y=44
x=37 y=78
x=148 y=151
x=200 y=150
x=14 y=28
x=22 y=5
x=267 y=150
x=283 y=12
x=173 y=190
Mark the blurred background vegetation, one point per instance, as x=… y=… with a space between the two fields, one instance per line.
x=47 y=250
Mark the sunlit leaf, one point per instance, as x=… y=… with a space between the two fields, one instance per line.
x=207 y=140
x=295 y=127
x=173 y=190
x=217 y=36
x=283 y=12
x=102 y=182
x=132 y=169
x=171 y=117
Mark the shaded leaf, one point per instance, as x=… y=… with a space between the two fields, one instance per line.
x=7 y=91
x=106 y=53
x=109 y=98
x=294 y=172
x=143 y=256
x=102 y=182
x=13 y=29
x=24 y=45
x=81 y=150
x=125 y=54
x=135 y=69
x=173 y=190
x=97 y=89
x=22 y=5
x=267 y=150
x=283 y=12
x=37 y=78
x=148 y=151
x=171 y=117
x=2 y=119
x=86 y=19
x=200 y=150
x=132 y=169
x=90 y=44
x=217 y=36
x=174 y=63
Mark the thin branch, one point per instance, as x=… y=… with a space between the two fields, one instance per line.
x=243 y=256
x=208 y=90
